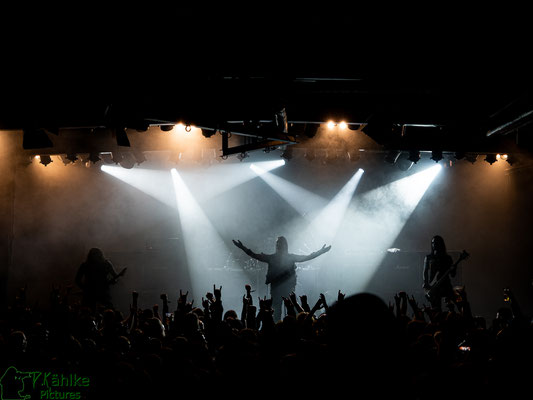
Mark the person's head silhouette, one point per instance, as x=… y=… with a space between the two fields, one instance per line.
x=437 y=245
x=281 y=245
x=95 y=256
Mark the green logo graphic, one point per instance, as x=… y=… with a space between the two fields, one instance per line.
x=12 y=384
x=41 y=385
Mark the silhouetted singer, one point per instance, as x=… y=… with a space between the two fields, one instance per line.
x=281 y=273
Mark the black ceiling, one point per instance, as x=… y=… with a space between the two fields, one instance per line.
x=207 y=70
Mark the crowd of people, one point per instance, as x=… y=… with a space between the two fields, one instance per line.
x=358 y=343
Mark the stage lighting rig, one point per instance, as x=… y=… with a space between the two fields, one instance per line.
x=93 y=157
x=436 y=155
x=166 y=128
x=287 y=153
x=45 y=159
x=207 y=133
x=414 y=156
x=392 y=156
x=459 y=155
x=126 y=160
x=242 y=156
x=403 y=163
x=491 y=158
x=107 y=158
x=471 y=157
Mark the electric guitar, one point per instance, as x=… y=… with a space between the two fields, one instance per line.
x=114 y=280
x=432 y=292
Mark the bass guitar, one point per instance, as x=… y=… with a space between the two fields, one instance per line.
x=432 y=292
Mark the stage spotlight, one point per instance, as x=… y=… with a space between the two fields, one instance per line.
x=166 y=128
x=127 y=160
x=510 y=159
x=122 y=137
x=343 y=125
x=287 y=153
x=471 y=157
x=309 y=155
x=45 y=159
x=117 y=157
x=414 y=156
x=501 y=157
x=107 y=158
x=72 y=157
x=242 y=156
x=436 y=155
x=310 y=130
x=207 y=133
x=459 y=155
x=35 y=139
x=331 y=125
x=94 y=158
x=141 y=126
x=404 y=164
x=491 y=158
x=392 y=156
x=327 y=221
x=266 y=166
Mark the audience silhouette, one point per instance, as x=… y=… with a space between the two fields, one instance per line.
x=359 y=345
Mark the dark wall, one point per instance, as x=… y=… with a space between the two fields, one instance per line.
x=55 y=214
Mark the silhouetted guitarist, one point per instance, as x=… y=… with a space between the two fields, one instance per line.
x=438 y=264
x=93 y=278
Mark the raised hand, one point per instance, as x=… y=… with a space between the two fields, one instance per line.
x=183 y=305
x=305 y=305
x=183 y=297
x=249 y=294
x=340 y=296
x=292 y=297
x=205 y=303
x=217 y=292
x=210 y=297
x=325 y=249
x=318 y=305
x=265 y=304
x=323 y=301
x=238 y=243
